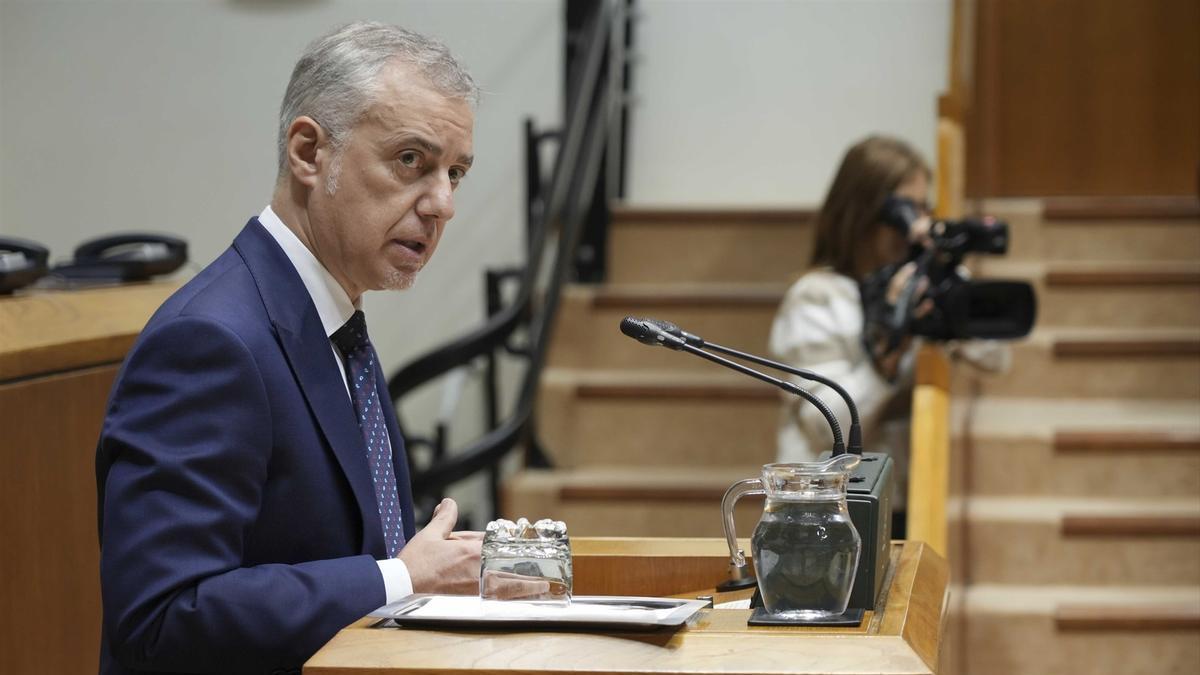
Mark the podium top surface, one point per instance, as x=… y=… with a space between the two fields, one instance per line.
x=902 y=635
x=46 y=331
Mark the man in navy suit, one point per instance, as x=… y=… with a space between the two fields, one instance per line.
x=253 y=486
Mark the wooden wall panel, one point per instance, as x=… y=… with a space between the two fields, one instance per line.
x=1085 y=97
x=49 y=547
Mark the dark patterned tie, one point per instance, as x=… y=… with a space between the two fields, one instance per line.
x=354 y=344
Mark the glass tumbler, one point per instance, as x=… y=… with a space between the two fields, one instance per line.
x=526 y=562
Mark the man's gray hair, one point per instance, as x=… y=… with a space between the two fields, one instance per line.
x=335 y=80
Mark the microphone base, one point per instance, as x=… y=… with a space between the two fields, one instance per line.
x=869 y=499
x=736 y=584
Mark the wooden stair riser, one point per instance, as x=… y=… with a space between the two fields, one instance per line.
x=1031 y=644
x=712 y=252
x=1119 y=306
x=1026 y=552
x=656 y=430
x=1033 y=238
x=588 y=330
x=1038 y=373
x=701 y=248
x=630 y=516
x=1031 y=466
x=589 y=337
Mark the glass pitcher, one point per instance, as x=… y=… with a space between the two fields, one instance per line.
x=805 y=548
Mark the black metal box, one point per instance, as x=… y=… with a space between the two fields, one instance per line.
x=869 y=498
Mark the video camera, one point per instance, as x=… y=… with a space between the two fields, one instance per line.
x=962 y=308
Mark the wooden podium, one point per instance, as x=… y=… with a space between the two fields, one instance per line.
x=902 y=635
x=59 y=353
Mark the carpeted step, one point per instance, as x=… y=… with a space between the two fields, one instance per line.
x=1052 y=232
x=588 y=332
x=1139 y=448
x=632 y=418
x=1110 y=295
x=1102 y=363
x=1073 y=300
x=1045 y=630
x=671 y=245
x=642 y=501
x=1098 y=541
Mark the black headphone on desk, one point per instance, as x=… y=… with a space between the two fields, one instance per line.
x=124 y=257
x=113 y=259
x=21 y=263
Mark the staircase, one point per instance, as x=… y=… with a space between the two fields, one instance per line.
x=645 y=441
x=1079 y=502
x=1077 y=475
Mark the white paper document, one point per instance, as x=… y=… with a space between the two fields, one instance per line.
x=595 y=610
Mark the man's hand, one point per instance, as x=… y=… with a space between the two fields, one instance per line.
x=509 y=586
x=440 y=560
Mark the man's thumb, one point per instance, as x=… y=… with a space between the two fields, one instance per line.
x=445 y=515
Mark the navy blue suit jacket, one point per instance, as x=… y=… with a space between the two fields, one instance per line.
x=238 y=524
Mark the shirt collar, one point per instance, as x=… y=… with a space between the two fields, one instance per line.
x=333 y=305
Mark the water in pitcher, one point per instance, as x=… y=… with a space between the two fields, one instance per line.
x=805 y=555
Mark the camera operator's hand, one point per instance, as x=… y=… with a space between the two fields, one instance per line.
x=440 y=560
x=919 y=231
x=888 y=361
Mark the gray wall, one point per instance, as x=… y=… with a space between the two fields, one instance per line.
x=121 y=115
x=754 y=102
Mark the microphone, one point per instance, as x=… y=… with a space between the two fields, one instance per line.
x=855 y=444
x=650 y=332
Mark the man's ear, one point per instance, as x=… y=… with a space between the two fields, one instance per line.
x=307 y=150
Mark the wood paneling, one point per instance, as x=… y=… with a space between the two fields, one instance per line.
x=747 y=391
x=1126 y=347
x=1127 y=618
x=50 y=556
x=1126 y=441
x=1183 y=208
x=929 y=473
x=625 y=214
x=693 y=296
x=1128 y=277
x=59 y=354
x=604 y=565
x=1085 y=97
x=54 y=331
x=1149 y=525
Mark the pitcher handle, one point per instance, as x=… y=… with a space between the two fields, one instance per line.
x=749 y=486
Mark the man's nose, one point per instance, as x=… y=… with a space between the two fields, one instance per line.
x=438 y=200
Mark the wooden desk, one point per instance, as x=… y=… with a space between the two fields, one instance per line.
x=59 y=353
x=902 y=635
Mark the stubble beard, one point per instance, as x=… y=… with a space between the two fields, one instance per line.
x=400 y=280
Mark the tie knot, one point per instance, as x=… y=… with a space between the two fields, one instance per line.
x=352 y=336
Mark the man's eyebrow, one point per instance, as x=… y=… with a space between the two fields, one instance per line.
x=427 y=145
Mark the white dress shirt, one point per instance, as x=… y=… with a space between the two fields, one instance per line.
x=335 y=309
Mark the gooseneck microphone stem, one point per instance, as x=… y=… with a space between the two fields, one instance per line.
x=839 y=447
x=855 y=445
x=650 y=333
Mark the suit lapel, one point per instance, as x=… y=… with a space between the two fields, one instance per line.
x=310 y=356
